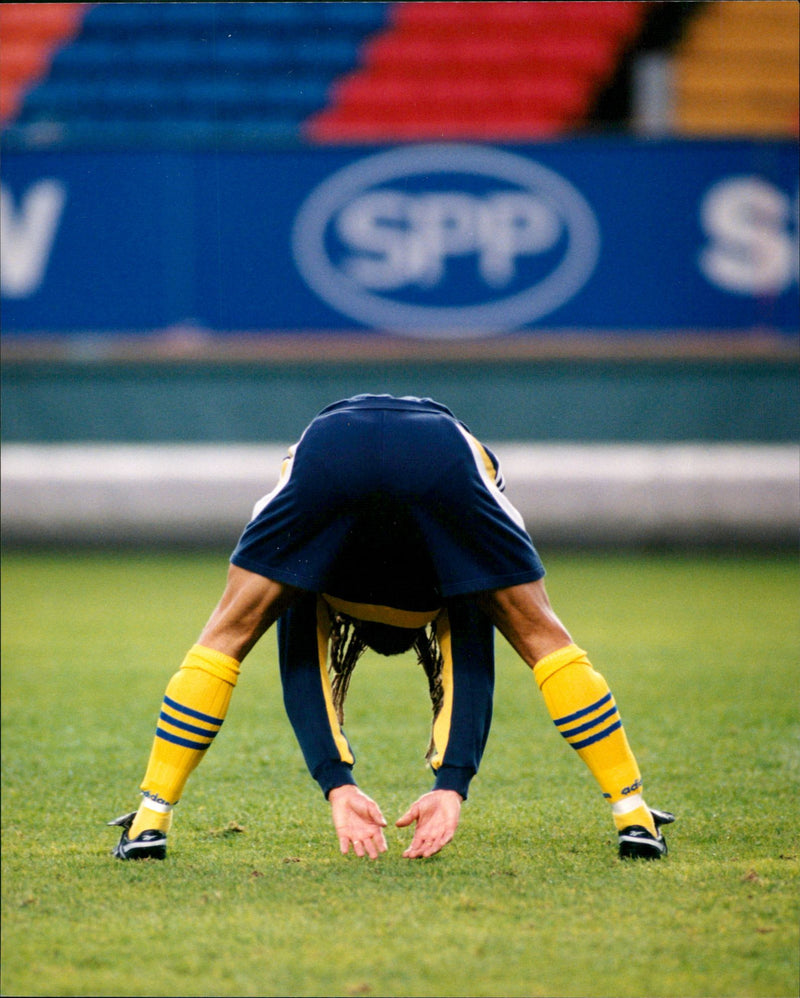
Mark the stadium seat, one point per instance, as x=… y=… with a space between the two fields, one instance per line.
x=409 y=124
x=167 y=57
x=736 y=71
x=356 y=17
x=250 y=69
x=196 y=96
x=31 y=34
x=24 y=60
x=463 y=95
x=90 y=58
x=328 y=55
x=338 y=71
x=129 y=98
x=602 y=16
x=479 y=70
x=128 y=20
x=48 y=22
x=398 y=54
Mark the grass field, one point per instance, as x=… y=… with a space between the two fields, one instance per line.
x=530 y=899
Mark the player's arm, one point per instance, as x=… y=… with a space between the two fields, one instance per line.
x=303 y=633
x=466 y=639
x=303 y=636
x=461 y=728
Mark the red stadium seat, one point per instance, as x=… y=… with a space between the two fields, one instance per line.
x=361 y=124
x=30 y=33
x=585 y=56
x=462 y=95
x=483 y=70
x=622 y=18
x=22 y=61
x=479 y=70
x=39 y=21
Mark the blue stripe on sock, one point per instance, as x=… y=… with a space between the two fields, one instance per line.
x=584 y=712
x=571 y=732
x=163 y=716
x=180 y=741
x=598 y=737
x=193 y=713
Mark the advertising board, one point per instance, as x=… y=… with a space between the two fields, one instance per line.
x=435 y=241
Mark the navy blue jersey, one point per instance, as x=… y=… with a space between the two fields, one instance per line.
x=460 y=728
x=389 y=501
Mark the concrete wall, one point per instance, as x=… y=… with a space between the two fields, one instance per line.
x=669 y=494
x=576 y=399
x=659 y=450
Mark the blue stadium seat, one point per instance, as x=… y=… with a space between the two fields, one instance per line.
x=327 y=55
x=257 y=56
x=118 y=20
x=212 y=96
x=358 y=17
x=181 y=72
x=168 y=56
x=55 y=98
x=301 y=94
x=90 y=57
x=130 y=19
x=283 y=16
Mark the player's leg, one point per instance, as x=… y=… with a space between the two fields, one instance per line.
x=582 y=708
x=249 y=606
x=196 y=702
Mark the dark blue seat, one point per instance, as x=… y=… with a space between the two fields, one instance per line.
x=89 y=57
x=183 y=72
x=255 y=55
x=282 y=16
x=326 y=55
x=300 y=94
x=169 y=56
x=355 y=17
x=200 y=96
x=130 y=19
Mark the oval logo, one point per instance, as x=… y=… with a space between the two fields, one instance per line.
x=445 y=240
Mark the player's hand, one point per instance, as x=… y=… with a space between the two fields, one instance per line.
x=358 y=821
x=437 y=814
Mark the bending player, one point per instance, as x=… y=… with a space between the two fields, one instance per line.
x=388 y=528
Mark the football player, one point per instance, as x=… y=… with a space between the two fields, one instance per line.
x=388 y=528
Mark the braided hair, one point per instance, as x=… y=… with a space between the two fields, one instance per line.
x=349 y=640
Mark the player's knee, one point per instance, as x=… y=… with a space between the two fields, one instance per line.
x=523 y=615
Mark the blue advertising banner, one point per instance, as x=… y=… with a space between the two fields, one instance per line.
x=433 y=241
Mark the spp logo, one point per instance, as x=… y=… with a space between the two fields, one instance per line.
x=445 y=240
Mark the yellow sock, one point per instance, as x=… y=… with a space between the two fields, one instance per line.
x=638 y=813
x=585 y=713
x=148 y=818
x=195 y=704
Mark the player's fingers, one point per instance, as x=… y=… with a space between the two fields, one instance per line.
x=418 y=848
x=411 y=815
x=374 y=814
x=375 y=845
x=421 y=848
x=358 y=847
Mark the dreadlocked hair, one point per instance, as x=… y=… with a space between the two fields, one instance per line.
x=350 y=639
x=429 y=655
x=347 y=647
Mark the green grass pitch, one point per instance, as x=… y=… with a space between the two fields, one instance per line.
x=530 y=899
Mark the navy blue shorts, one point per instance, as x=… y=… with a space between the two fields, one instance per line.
x=392 y=502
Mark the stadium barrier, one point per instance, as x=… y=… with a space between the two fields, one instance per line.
x=443 y=242
x=202 y=495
